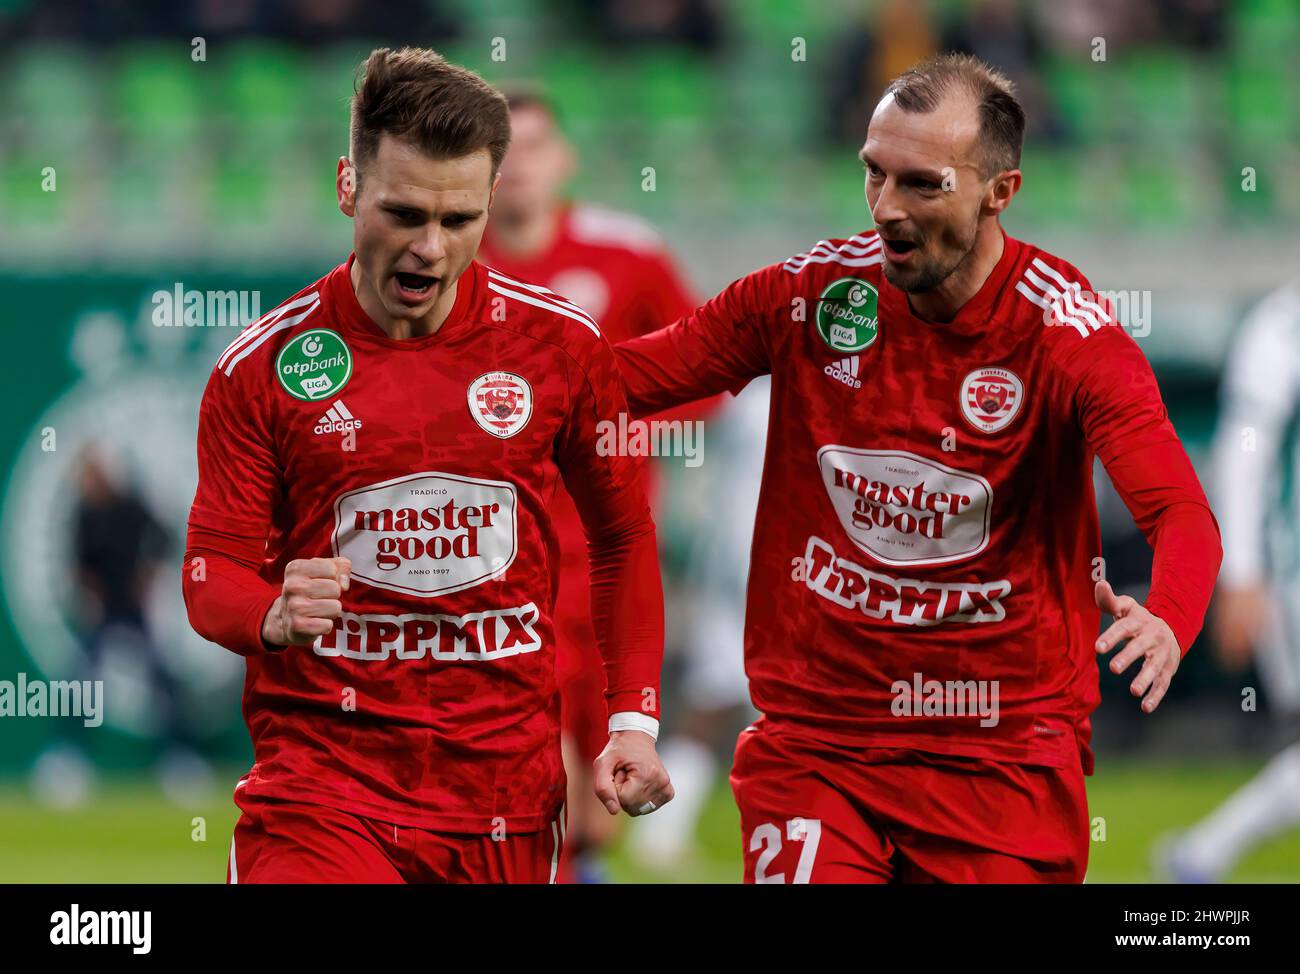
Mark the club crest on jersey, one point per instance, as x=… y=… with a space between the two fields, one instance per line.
x=315 y=365
x=501 y=402
x=846 y=314
x=991 y=398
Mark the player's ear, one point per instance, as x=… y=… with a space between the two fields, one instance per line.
x=1004 y=187
x=345 y=186
x=496 y=181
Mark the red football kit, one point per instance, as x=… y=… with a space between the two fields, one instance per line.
x=433 y=464
x=615 y=267
x=920 y=612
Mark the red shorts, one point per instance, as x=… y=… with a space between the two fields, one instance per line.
x=818 y=813
x=292 y=842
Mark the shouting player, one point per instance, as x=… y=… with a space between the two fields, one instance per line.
x=377 y=462
x=925 y=588
x=617 y=269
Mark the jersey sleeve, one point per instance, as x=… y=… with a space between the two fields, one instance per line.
x=718 y=347
x=240 y=485
x=1117 y=405
x=1259 y=399
x=627 y=604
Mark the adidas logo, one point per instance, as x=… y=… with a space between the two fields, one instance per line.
x=337 y=419
x=846 y=370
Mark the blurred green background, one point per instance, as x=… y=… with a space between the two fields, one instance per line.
x=1161 y=160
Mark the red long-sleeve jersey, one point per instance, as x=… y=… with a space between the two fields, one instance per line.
x=432 y=463
x=926 y=517
x=617 y=268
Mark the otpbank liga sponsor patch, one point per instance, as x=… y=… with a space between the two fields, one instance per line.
x=315 y=365
x=847 y=316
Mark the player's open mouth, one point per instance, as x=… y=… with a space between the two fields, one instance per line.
x=897 y=249
x=414 y=285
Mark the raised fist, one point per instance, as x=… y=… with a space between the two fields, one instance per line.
x=309 y=602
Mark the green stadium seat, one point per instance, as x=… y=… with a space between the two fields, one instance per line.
x=1168 y=191
x=1259 y=205
x=1261 y=26
x=264 y=91
x=241 y=189
x=569 y=78
x=1088 y=98
x=333 y=72
x=1054 y=190
x=1261 y=103
x=22 y=200
x=53 y=91
x=144 y=183
x=1166 y=92
x=155 y=95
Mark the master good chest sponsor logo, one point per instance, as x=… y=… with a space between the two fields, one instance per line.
x=903 y=509
x=427 y=534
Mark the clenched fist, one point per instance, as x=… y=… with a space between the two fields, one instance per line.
x=309 y=602
x=630 y=774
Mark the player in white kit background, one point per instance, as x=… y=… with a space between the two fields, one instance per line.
x=1257 y=610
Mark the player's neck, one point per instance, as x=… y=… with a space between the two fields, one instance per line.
x=524 y=235
x=945 y=301
x=401 y=328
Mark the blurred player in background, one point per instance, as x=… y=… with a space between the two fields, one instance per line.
x=924 y=598
x=615 y=267
x=713 y=692
x=372 y=528
x=1257 y=496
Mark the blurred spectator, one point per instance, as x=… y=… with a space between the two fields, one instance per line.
x=1071 y=28
x=1198 y=24
x=396 y=22
x=1001 y=33
x=896 y=35
x=695 y=23
x=119 y=545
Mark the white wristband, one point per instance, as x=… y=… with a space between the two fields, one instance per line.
x=631 y=720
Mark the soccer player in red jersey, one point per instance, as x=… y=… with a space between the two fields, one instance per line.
x=616 y=268
x=925 y=589
x=378 y=457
